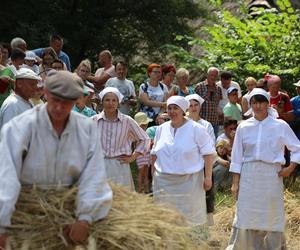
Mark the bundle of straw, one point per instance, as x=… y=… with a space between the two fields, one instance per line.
x=134 y=222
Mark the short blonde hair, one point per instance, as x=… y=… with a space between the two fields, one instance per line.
x=182 y=72
x=224 y=143
x=250 y=79
x=85 y=63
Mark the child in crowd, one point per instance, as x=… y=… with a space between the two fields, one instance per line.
x=160 y=119
x=38 y=97
x=80 y=105
x=222 y=177
x=250 y=83
x=232 y=109
x=143 y=162
x=30 y=62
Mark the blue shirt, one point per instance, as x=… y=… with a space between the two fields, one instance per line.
x=86 y=111
x=295 y=101
x=296 y=105
x=62 y=56
x=180 y=93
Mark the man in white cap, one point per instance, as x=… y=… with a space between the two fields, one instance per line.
x=51 y=145
x=17 y=102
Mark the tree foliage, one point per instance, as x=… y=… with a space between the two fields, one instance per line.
x=88 y=26
x=249 y=46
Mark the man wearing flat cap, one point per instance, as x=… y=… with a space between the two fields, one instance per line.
x=50 y=145
x=16 y=103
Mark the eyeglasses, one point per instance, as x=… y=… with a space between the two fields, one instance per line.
x=156 y=71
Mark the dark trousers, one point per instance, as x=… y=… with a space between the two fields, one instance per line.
x=210 y=198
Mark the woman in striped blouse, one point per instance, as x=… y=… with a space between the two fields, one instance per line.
x=117 y=133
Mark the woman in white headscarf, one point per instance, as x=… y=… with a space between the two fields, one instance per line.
x=196 y=102
x=181 y=149
x=117 y=133
x=256 y=164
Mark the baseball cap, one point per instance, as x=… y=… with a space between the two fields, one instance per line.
x=25 y=73
x=231 y=89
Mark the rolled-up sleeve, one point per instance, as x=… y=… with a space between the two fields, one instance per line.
x=204 y=141
x=140 y=136
x=237 y=152
x=94 y=194
x=292 y=143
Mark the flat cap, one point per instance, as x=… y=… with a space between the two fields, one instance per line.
x=64 y=84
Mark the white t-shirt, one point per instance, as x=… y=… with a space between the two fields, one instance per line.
x=224 y=100
x=222 y=136
x=182 y=152
x=247 y=97
x=155 y=93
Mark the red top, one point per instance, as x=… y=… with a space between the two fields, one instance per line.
x=282 y=101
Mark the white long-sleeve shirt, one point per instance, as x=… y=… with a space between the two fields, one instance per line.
x=32 y=153
x=12 y=106
x=263 y=141
x=181 y=152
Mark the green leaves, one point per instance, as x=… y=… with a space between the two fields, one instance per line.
x=253 y=47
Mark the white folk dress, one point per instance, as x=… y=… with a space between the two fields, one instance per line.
x=178 y=179
x=258 y=154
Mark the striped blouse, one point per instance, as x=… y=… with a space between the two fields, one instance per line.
x=117 y=136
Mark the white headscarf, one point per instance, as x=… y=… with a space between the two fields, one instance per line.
x=180 y=101
x=111 y=90
x=259 y=91
x=196 y=97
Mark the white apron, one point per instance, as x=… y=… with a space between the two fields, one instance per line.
x=119 y=173
x=260 y=203
x=184 y=193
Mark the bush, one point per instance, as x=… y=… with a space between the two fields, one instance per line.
x=247 y=46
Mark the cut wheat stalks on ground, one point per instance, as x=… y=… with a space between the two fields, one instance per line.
x=134 y=222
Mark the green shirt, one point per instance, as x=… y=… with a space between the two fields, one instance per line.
x=233 y=111
x=86 y=111
x=151 y=132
